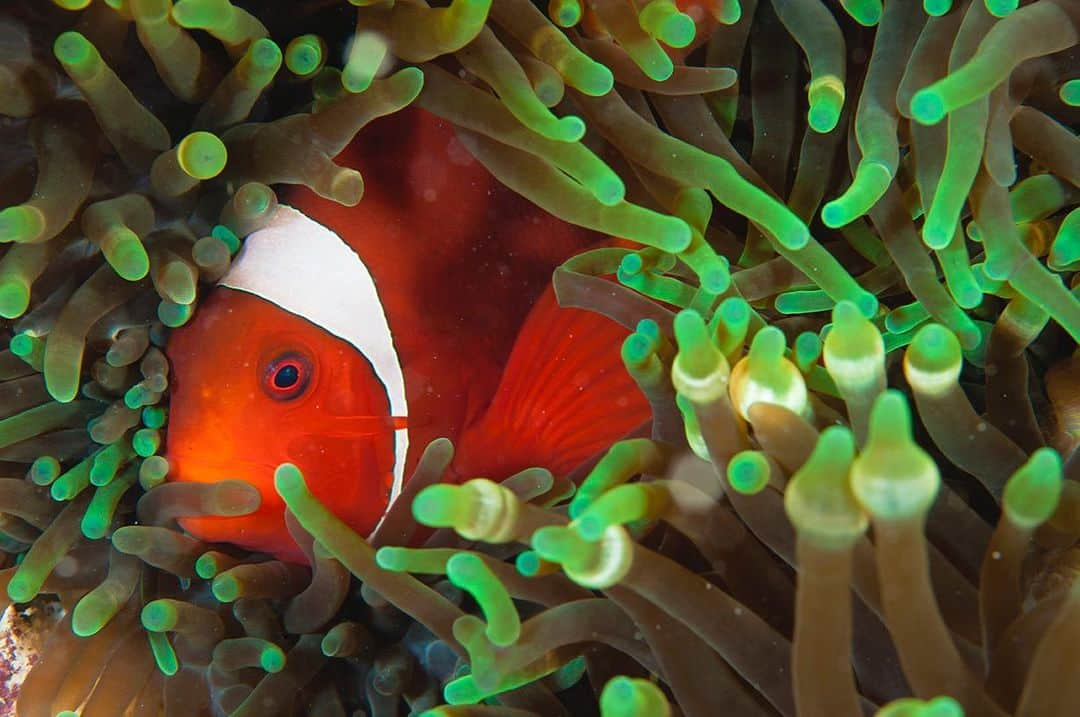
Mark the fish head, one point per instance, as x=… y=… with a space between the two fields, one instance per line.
x=254 y=385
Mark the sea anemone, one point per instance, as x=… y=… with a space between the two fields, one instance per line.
x=833 y=221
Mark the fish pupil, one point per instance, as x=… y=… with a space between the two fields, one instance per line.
x=287 y=376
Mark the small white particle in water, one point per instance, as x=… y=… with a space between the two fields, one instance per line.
x=738 y=611
x=996 y=555
x=66 y=567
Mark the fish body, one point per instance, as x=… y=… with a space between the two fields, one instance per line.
x=345 y=339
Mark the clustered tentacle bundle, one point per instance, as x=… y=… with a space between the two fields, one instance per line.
x=851 y=269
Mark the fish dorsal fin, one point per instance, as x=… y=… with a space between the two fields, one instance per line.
x=308 y=270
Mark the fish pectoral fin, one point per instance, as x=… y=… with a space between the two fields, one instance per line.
x=564 y=396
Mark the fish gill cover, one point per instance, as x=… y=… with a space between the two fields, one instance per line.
x=853 y=244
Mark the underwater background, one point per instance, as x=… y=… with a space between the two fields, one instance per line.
x=848 y=267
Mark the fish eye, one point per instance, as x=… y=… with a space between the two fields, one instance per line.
x=287 y=376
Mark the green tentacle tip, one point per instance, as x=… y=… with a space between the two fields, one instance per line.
x=210 y=252
x=1001 y=8
x=766 y=375
x=395 y=559
x=928 y=106
x=1032 y=493
x=631 y=265
x=72 y=4
x=272 y=659
x=893 y=478
x=803 y=302
x=631 y=697
x=871 y=181
x=700 y=372
x=933 y=361
x=431 y=561
x=748 y=472
x=207 y=566
x=164 y=655
x=807 y=349
x=937 y=8
x=818 y=500
x=638 y=348
x=95 y=524
x=865 y=12
x=788 y=229
x=304 y=55
x=21 y=224
x=175 y=315
x=202 y=155
x=179 y=281
x=529 y=564
x=568 y=675
x=127 y=255
x=565 y=13
x=247 y=652
x=75 y=52
x=154 y=416
x=202 y=14
x=137 y=396
x=152 y=472
x=663 y=20
x=943 y=707
x=44 y=470
x=366 y=53
x=558 y=544
x=570 y=128
x=159 y=616
x=93 y=612
x=14 y=297
x=289 y=483
x=265 y=57
x=731 y=320
x=226 y=235
x=26 y=582
x=716 y=277
x=608 y=189
x=826 y=99
x=146 y=442
x=438 y=506
x=588 y=75
x=1065 y=249
x=906 y=318
x=937 y=231
x=1070 y=92
x=854 y=349
x=619 y=506
x=24 y=345
x=730 y=12
x=912 y=707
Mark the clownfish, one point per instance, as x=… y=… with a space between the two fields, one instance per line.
x=345 y=339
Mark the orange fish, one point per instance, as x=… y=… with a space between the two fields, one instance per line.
x=344 y=339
